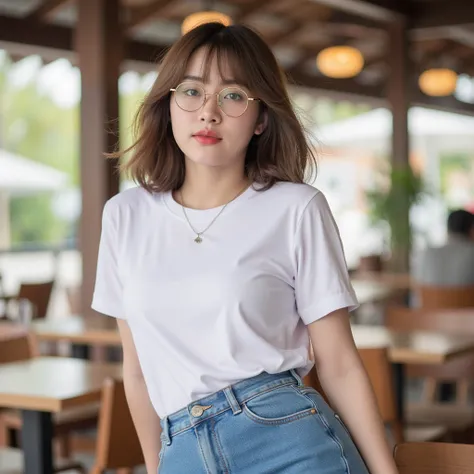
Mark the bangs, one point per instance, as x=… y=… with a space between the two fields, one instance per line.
x=229 y=63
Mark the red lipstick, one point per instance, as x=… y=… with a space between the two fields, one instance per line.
x=207 y=137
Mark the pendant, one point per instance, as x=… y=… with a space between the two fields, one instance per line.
x=198 y=239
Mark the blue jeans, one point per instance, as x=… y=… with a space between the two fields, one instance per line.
x=268 y=424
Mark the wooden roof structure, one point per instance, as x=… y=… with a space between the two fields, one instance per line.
x=398 y=38
x=440 y=32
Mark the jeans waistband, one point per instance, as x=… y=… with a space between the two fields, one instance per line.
x=229 y=398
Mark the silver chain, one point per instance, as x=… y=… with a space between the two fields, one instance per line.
x=198 y=238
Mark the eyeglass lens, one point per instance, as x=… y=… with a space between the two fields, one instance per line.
x=233 y=101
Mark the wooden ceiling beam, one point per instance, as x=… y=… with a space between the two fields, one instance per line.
x=288 y=33
x=339 y=86
x=32 y=37
x=247 y=9
x=46 y=10
x=447 y=104
x=140 y=15
x=459 y=34
x=381 y=10
x=436 y=14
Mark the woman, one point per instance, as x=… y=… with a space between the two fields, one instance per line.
x=221 y=266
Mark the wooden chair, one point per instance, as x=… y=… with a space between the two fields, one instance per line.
x=379 y=369
x=435 y=297
x=39 y=294
x=380 y=373
x=118 y=446
x=458 y=417
x=19 y=346
x=448 y=321
x=434 y=458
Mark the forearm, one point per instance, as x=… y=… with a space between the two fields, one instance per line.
x=352 y=397
x=145 y=419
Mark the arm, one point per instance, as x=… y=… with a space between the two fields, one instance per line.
x=346 y=385
x=144 y=417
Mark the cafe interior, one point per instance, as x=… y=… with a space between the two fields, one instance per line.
x=62 y=401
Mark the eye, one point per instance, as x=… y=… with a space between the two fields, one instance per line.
x=190 y=92
x=235 y=96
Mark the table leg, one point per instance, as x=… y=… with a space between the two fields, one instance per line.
x=399 y=379
x=36 y=438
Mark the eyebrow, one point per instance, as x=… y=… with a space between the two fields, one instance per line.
x=224 y=82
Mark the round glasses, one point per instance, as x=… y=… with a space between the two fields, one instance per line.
x=190 y=97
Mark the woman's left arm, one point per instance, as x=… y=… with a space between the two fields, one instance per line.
x=346 y=384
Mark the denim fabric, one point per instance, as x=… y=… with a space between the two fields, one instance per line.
x=268 y=424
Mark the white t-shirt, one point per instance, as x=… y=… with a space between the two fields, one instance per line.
x=204 y=316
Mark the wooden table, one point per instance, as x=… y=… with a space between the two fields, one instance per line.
x=77 y=330
x=47 y=385
x=81 y=333
x=417 y=347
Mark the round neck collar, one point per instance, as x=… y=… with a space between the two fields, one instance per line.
x=204 y=214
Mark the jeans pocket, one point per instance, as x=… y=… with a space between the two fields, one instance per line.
x=277 y=406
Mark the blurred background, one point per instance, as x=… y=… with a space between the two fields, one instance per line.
x=385 y=89
x=339 y=61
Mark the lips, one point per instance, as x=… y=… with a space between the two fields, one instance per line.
x=207 y=133
x=207 y=137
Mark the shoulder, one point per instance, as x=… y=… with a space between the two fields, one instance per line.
x=296 y=195
x=129 y=200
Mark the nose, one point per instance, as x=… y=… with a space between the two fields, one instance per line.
x=210 y=112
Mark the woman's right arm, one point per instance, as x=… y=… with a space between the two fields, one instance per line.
x=145 y=419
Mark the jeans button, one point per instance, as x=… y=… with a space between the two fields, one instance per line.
x=198 y=410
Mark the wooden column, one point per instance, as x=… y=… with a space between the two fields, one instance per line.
x=99 y=46
x=399 y=92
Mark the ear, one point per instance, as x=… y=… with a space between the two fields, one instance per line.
x=262 y=123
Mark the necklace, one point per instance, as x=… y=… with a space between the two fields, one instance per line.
x=198 y=238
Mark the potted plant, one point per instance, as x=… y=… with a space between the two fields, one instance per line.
x=389 y=204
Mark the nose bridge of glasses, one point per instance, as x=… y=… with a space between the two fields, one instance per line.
x=208 y=96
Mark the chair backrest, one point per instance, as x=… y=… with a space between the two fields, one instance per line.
x=117 y=441
x=39 y=294
x=446 y=297
x=453 y=321
x=434 y=458
x=17 y=345
x=380 y=373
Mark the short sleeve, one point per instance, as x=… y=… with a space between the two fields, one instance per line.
x=107 y=297
x=322 y=283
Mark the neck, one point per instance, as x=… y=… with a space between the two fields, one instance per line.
x=207 y=192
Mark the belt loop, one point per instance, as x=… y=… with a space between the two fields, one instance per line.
x=297 y=377
x=234 y=404
x=166 y=431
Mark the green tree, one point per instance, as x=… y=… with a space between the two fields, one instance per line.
x=33 y=126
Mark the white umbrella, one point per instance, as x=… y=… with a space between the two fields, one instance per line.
x=372 y=130
x=19 y=175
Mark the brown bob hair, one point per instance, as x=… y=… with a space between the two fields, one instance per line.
x=281 y=153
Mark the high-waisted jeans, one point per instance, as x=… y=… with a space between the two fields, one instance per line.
x=268 y=424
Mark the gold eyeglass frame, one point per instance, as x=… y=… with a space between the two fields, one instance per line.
x=217 y=94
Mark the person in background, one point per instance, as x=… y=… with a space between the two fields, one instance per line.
x=452 y=264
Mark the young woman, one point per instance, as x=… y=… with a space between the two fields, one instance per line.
x=222 y=267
